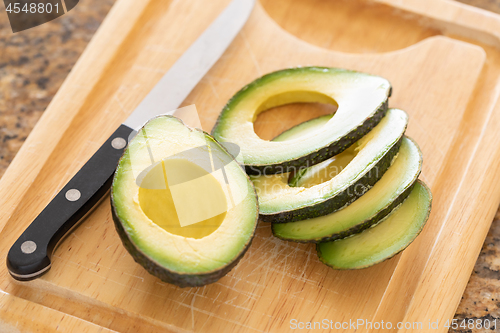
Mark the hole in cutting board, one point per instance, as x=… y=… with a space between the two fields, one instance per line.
x=351 y=26
x=286 y=116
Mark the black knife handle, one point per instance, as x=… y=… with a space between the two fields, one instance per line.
x=30 y=256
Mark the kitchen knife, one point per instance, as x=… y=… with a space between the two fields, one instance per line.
x=30 y=256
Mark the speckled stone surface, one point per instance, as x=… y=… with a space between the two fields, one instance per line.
x=35 y=62
x=481 y=299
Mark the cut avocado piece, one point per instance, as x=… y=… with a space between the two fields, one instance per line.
x=374 y=153
x=361 y=100
x=322 y=171
x=319 y=173
x=394 y=187
x=384 y=240
x=183 y=208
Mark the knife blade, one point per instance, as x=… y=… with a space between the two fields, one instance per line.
x=30 y=256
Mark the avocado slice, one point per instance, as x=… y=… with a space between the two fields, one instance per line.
x=371 y=156
x=390 y=191
x=183 y=208
x=384 y=240
x=361 y=99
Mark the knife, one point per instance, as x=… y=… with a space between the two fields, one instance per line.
x=30 y=256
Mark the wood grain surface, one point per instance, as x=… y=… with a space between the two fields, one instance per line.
x=442 y=60
x=14 y=314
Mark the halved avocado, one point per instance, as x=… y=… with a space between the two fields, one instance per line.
x=361 y=100
x=183 y=208
x=371 y=156
x=390 y=191
x=384 y=240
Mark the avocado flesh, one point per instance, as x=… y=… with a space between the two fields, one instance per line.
x=322 y=171
x=325 y=170
x=394 y=187
x=361 y=100
x=384 y=240
x=152 y=235
x=159 y=205
x=281 y=203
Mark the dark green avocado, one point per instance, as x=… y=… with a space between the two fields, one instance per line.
x=384 y=240
x=361 y=99
x=388 y=193
x=182 y=220
x=363 y=165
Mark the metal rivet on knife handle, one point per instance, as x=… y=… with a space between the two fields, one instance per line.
x=28 y=247
x=73 y=195
x=118 y=143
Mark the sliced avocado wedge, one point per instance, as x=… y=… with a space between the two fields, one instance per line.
x=183 y=221
x=320 y=172
x=389 y=192
x=279 y=202
x=361 y=100
x=384 y=240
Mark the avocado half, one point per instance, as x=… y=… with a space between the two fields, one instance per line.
x=388 y=193
x=363 y=165
x=183 y=207
x=361 y=99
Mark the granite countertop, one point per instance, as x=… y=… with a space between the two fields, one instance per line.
x=34 y=63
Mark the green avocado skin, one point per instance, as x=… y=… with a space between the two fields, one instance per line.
x=324 y=153
x=166 y=275
x=314 y=157
x=323 y=260
x=361 y=226
x=335 y=203
x=163 y=273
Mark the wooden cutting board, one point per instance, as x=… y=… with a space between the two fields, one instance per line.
x=443 y=61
